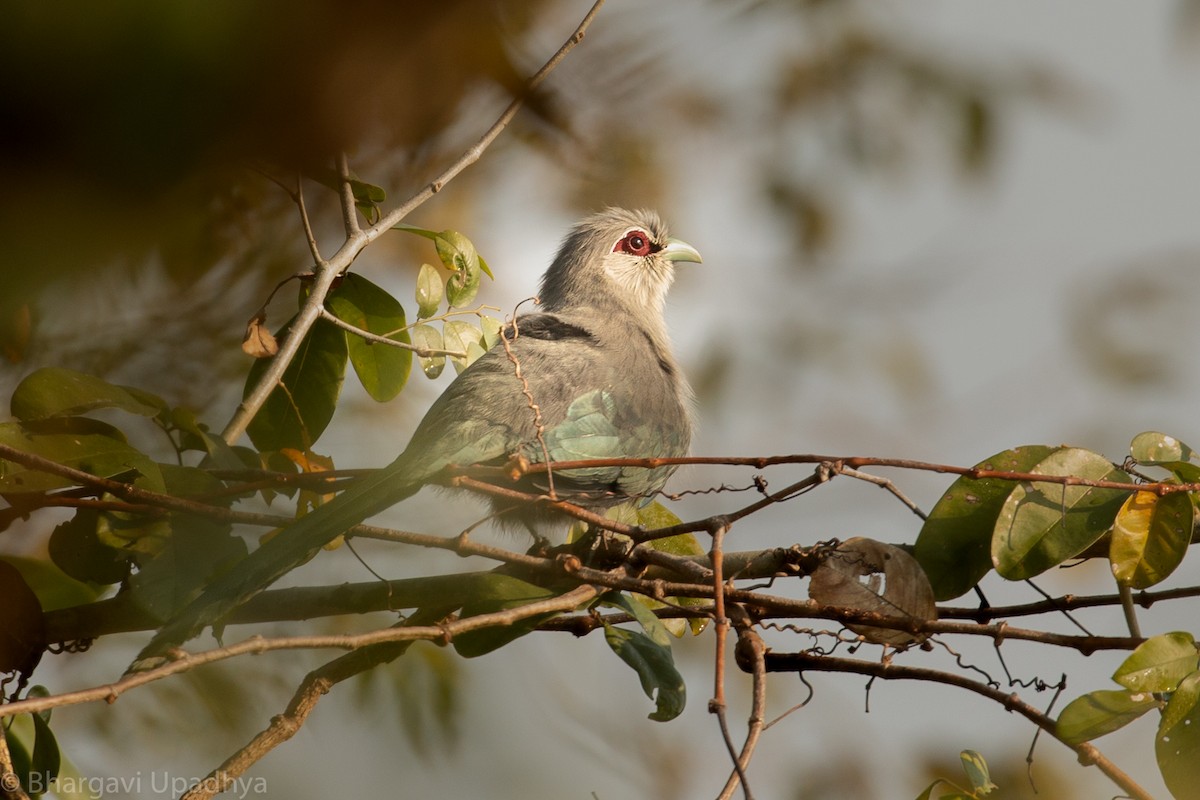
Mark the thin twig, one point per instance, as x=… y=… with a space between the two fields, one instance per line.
x=183 y=661
x=1088 y=753
x=309 y=236
x=424 y=352
x=750 y=651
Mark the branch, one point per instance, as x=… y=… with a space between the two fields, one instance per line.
x=1088 y=753
x=319 y=682
x=184 y=661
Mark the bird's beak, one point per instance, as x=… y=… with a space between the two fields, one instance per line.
x=677 y=250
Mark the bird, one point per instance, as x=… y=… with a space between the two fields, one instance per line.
x=590 y=374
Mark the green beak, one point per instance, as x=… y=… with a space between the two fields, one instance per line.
x=677 y=250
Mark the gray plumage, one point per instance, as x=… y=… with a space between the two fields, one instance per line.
x=599 y=366
x=597 y=362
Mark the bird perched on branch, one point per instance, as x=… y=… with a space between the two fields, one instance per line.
x=590 y=375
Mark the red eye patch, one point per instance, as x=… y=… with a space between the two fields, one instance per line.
x=635 y=243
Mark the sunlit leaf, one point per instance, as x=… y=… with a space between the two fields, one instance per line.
x=1043 y=524
x=1150 y=537
x=383 y=370
x=297 y=411
x=56 y=392
x=459 y=256
x=1159 y=663
x=653 y=516
x=977 y=772
x=1100 y=712
x=1155 y=448
x=1177 y=750
x=955 y=544
x=491 y=331
x=1183 y=701
x=1162 y=450
x=430 y=291
x=459 y=336
x=428 y=337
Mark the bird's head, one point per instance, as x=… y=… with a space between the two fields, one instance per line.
x=627 y=254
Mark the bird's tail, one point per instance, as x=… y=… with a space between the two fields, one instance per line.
x=293 y=546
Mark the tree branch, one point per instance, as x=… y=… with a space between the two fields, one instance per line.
x=1088 y=753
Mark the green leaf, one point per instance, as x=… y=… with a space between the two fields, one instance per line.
x=429 y=338
x=977 y=772
x=47 y=758
x=430 y=291
x=1159 y=663
x=655 y=669
x=383 y=370
x=1162 y=450
x=1182 y=703
x=297 y=412
x=954 y=546
x=460 y=336
x=1155 y=448
x=76 y=549
x=1150 y=537
x=1041 y=524
x=641 y=612
x=22 y=629
x=497 y=592
x=491 y=331
x=56 y=392
x=54 y=590
x=459 y=256
x=196 y=436
x=1100 y=712
x=87 y=445
x=1177 y=749
x=654 y=516
x=17 y=737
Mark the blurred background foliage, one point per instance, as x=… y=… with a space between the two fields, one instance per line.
x=139 y=143
x=142 y=148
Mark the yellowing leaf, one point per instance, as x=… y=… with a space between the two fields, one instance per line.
x=1150 y=537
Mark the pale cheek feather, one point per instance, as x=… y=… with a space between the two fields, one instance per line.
x=647 y=279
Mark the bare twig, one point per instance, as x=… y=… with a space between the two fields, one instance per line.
x=309 y=236
x=750 y=651
x=424 y=352
x=1088 y=753
x=183 y=661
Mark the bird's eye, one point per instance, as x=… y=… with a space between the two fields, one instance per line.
x=634 y=243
